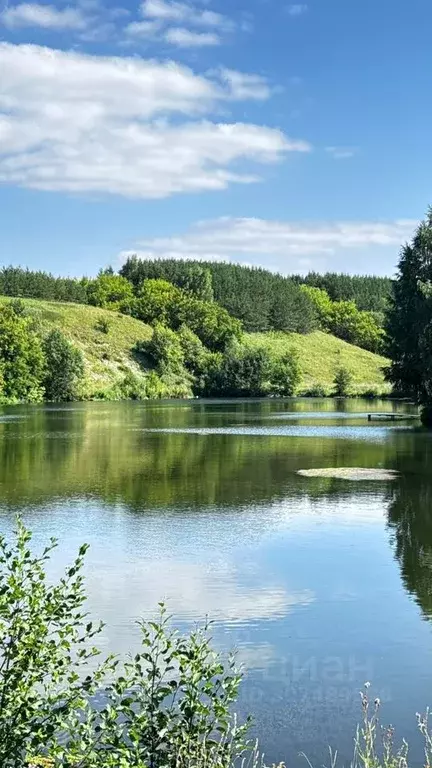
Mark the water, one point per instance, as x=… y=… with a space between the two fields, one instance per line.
x=321 y=584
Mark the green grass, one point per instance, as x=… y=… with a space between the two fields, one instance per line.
x=108 y=356
x=321 y=354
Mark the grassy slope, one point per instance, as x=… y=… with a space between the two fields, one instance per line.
x=109 y=356
x=321 y=354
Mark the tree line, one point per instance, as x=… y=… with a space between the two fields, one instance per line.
x=259 y=300
x=368 y=292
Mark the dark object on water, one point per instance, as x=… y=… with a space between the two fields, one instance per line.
x=392 y=416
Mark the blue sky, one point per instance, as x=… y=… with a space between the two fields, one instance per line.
x=291 y=135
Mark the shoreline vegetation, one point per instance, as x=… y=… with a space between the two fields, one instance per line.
x=138 y=336
x=170 y=705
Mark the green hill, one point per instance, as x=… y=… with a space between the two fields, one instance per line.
x=320 y=354
x=108 y=356
x=108 y=351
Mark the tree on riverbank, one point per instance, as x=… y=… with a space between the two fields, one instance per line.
x=409 y=321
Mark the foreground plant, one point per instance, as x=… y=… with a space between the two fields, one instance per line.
x=169 y=705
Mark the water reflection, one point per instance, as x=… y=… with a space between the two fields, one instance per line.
x=410 y=521
x=200 y=504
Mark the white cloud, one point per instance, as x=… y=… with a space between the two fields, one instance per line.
x=81 y=123
x=176 y=22
x=183 y=12
x=186 y=38
x=245 y=86
x=46 y=16
x=143 y=28
x=291 y=245
x=297 y=9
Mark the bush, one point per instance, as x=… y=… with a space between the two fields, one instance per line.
x=132 y=387
x=316 y=390
x=164 y=351
x=103 y=325
x=109 y=291
x=370 y=394
x=285 y=375
x=64 y=368
x=342 y=382
x=169 y=706
x=21 y=357
x=211 y=323
x=156 y=302
x=243 y=372
x=344 y=320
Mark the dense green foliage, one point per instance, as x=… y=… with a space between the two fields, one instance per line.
x=344 y=320
x=246 y=372
x=369 y=293
x=64 y=368
x=159 y=301
x=33 y=367
x=169 y=705
x=260 y=299
x=409 y=322
x=342 y=382
x=18 y=282
x=108 y=290
x=182 y=361
x=21 y=357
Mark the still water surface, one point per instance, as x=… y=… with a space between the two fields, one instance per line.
x=321 y=584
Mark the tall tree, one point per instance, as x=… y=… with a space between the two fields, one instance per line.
x=64 y=367
x=21 y=357
x=409 y=321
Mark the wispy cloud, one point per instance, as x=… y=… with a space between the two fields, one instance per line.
x=186 y=38
x=297 y=9
x=46 y=16
x=183 y=12
x=185 y=25
x=341 y=153
x=293 y=246
x=128 y=126
x=245 y=86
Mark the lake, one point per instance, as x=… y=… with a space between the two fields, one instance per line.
x=320 y=584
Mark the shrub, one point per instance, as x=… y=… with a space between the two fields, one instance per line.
x=342 y=382
x=344 y=320
x=211 y=323
x=64 y=367
x=132 y=387
x=103 y=325
x=161 y=302
x=243 y=372
x=370 y=394
x=109 y=290
x=21 y=357
x=156 y=302
x=164 y=351
x=169 y=706
x=45 y=643
x=316 y=390
x=285 y=375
